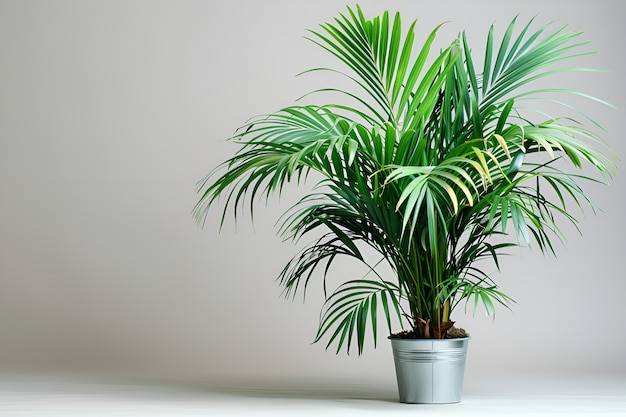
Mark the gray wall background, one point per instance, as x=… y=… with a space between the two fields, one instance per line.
x=110 y=111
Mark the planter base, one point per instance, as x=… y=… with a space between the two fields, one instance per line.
x=429 y=371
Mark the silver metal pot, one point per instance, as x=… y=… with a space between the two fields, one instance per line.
x=429 y=371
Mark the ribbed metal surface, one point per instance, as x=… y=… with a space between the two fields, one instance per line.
x=442 y=356
x=430 y=371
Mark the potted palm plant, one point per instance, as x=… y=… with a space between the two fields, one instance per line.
x=430 y=164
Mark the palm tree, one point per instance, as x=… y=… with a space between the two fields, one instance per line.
x=427 y=163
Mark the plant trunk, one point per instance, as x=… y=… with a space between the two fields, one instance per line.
x=426 y=329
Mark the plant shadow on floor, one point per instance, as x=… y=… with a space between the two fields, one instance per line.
x=300 y=389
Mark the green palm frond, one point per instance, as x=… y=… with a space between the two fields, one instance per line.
x=424 y=162
x=350 y=308
x=385 y=66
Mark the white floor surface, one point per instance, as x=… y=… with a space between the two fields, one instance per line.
x=69 y=397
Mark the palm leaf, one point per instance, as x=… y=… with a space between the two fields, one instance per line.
x=428 y=160
x=354 y=304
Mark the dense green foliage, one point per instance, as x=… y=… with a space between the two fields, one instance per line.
x=427 y=160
